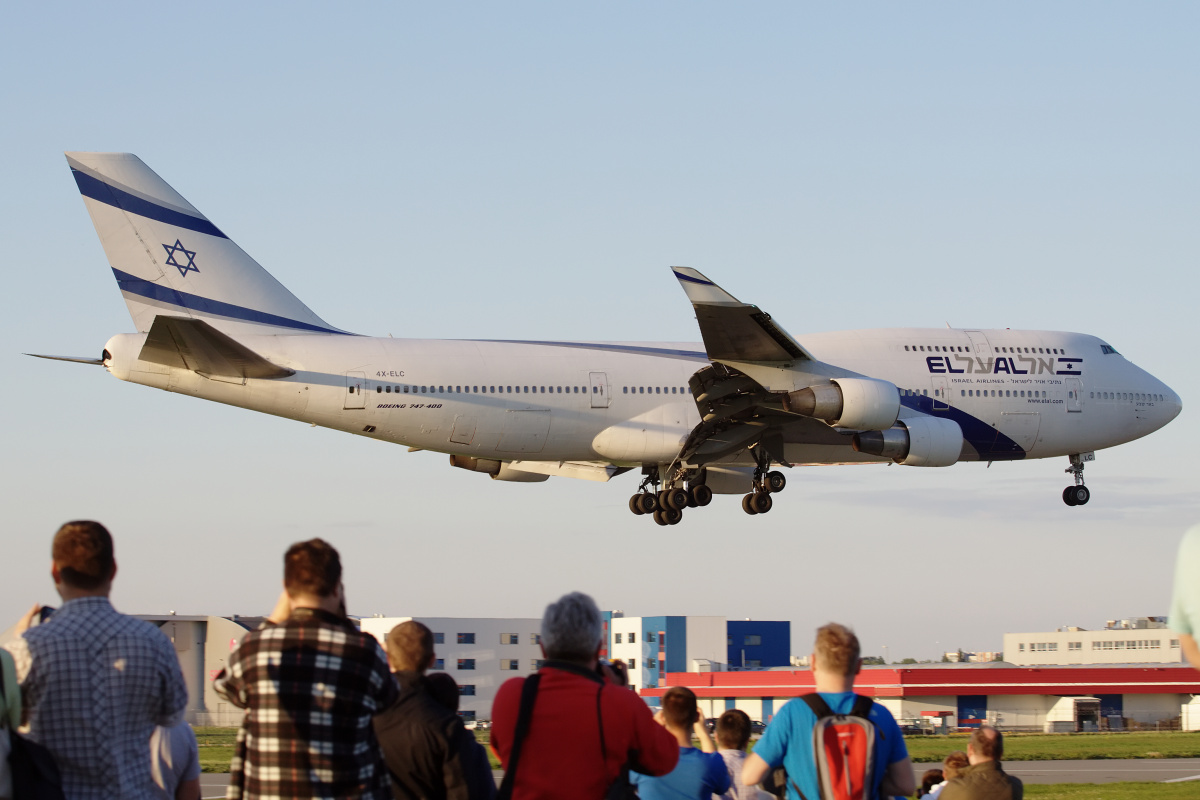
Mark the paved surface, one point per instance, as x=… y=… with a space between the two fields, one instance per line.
x=1097 y=771
x=212 y=785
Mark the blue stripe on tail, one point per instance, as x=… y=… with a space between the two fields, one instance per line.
x=110 y=195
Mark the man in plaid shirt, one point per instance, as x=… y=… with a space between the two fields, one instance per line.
x=311 y=682
x=95 y=683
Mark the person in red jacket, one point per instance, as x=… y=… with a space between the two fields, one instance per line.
x=585 y=725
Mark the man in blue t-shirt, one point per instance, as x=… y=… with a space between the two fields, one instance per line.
x=788 y=741
x=700 y=773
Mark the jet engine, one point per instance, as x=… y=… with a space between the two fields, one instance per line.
x=862 y=403
x=499 y=470
x=916 y=442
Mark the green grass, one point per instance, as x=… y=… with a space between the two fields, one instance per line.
x=1112 y=791
x=216 y=750
x=1068 y=746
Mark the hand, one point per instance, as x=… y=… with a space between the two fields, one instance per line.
x=617 y=673
x=27 y=621
x=282 y=610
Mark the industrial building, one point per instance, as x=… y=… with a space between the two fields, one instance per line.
x=944 y=697
x=1139 y=640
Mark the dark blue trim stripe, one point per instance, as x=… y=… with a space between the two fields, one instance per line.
x=989 y=443
x=202 y=305
x=110 y=195
x=690 y=279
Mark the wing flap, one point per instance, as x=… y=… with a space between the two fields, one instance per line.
x=193 y=344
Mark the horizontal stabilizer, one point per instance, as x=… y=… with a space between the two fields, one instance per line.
x=732 y=330
x=76 y=359
x=193 y=344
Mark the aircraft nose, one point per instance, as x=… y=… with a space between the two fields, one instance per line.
x=1174 y=404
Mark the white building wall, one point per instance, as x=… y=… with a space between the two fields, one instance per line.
x=630 y=652
x=1190 y=713
x=1019 y=710
x=493 y=657
x=1150 y=709
x=1119 y=646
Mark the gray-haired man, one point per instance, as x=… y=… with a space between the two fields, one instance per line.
x=585 y=727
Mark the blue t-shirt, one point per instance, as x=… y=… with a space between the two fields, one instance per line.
x=697 y=776
x=788 y=741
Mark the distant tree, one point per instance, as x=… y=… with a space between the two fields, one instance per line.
x=945 y=658
x=873 y=660
x=962 y=657
x=909 y=661
x=998 y=657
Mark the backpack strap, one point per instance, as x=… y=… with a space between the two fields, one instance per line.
x=528 y=695
x=817 y=704
x=862 y=706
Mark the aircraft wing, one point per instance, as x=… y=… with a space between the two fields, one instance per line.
x=193 y=344
x=736 y=331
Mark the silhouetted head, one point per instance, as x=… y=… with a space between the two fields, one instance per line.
x=83 y=555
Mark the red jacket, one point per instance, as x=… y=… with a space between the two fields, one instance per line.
x=562 y=755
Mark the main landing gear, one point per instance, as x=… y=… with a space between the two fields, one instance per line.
x=765 y=484
x=666 y=506
x=1078 y=494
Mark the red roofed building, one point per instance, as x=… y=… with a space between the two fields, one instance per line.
x=967 y=695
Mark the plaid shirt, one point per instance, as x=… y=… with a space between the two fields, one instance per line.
x=311 y=686
x=96 y=683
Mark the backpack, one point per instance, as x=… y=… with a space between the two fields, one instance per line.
x=843 y=750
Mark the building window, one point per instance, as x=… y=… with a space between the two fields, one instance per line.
x=729 y=641
x=466 y=663
x=651 y=663
x=536 y=663
x=1021 y=647
x=616 y=638
x=1174 y=644
x=509 y=663
x=466 y=689
x=466 y=638
x=1074 y=645
x=650 y=636
x=439 y=638
x=753 y=662
x=632 y=637
x=535 y=638
x=439 y=663
x=510 y=638
x=632 y=663
x=753 y=640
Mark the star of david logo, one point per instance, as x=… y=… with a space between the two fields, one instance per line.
x=178 y=249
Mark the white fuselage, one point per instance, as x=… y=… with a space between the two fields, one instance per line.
x=1016 y=394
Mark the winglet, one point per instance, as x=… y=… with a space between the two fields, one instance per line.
x=701 y=291
x=736 y=331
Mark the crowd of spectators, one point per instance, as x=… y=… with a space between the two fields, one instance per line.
x=95 y=700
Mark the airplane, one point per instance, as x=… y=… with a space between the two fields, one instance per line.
x=695 y=419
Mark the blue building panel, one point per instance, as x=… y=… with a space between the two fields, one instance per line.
x=758 y=643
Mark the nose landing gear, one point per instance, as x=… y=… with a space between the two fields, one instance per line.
x=1078 y=494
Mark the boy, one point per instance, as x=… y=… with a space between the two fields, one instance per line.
x=698 y=775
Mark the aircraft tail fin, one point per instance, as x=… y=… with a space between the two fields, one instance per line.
x=168 y=258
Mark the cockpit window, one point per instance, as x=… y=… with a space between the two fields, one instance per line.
x=1108 y=351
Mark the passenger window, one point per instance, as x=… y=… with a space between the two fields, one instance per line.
x=906 y=348
x=389 y=389
x=378 y=390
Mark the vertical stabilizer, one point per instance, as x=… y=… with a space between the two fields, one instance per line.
x=169 y=259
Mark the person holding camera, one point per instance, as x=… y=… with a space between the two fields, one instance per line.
x=571 y=729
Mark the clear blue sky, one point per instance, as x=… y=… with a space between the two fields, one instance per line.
x=527 y=170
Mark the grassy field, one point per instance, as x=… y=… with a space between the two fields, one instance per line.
x=216 y=749
x=1112 y=791
x=1069 y=746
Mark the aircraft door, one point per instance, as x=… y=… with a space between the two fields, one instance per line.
x=1074 y=394
x=979 y=343
x=599 y=381
x=941 y=394
x=356 y=390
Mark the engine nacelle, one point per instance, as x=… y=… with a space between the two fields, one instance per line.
x=916 y=442
x=862 y=403
x=499 y=470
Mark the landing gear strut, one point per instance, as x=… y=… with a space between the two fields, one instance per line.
x=1077 y=494
x=766 y=481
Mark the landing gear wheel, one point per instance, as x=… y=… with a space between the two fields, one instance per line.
x=635 y=504
x=676 y=498
x=648 y=503
x=1076 y=495
x=672 y=515
x=701 y=495
x=660 y=518
x=748 y=504
x=776 y=481
x=762 y=502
